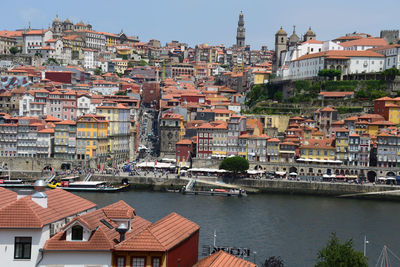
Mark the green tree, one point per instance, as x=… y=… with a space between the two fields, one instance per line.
x=278 y=96
x=273 y=262
x=329 y=73
x=52 y=61
x=391 y=72
x=343 y=255
x=130 y=64
x=14 y=50
x=235 y=164
x=142 y=63
x=121 y=93
x=97 y=71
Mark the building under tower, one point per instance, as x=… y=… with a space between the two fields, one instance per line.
x=241 y=32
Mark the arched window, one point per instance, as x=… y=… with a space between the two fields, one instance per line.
x=77 y=232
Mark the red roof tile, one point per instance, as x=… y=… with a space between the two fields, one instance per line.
x=222 y=258
x=162 y=235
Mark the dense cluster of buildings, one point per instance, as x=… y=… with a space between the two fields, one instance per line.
x=366 y=140
x=80 y=96
x=89 y=105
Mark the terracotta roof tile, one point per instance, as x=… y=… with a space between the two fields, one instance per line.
x=20 y=214
x=25 y=213
x=162 y=235
x=222 y=258
x=103 y=237
x=7 y=196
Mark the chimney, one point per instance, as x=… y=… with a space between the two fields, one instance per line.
x=39 y=196
x=23 y=193
x=122 y=229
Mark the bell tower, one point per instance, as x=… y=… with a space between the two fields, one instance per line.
x=281 y=42
x=241 y=32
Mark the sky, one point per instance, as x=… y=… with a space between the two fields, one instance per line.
x=209 y=21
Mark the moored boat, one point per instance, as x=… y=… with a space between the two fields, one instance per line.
x=15 y=183
x=90 y=186
x=217 y=192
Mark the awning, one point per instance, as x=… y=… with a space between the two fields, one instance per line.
x=280 y=173
x=293 y=173
x=152 y=164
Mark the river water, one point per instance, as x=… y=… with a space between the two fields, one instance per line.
x=290 y=226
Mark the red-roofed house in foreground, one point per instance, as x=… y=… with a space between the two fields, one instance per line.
x=116 y=236
x=27 y=221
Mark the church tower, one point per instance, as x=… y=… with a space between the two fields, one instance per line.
x=281 y=41
x=241 y=32
x=57 y=27
x=310 y=35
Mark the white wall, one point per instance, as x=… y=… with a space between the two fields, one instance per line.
x=75 y=259
x=7 y=239
x=365 y=64
x=329 y=45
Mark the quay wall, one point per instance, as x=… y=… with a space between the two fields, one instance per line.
x=311 y=188
x=252 y=185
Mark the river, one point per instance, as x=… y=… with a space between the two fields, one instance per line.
x=291 y=226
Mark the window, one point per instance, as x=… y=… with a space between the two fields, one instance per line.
x=138 y=262
x=77 y=232
x=22 y=247
x=156 y=262
x=121 y=262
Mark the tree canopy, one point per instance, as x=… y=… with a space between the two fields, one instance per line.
x=340 y=254
x=273 y=262
x=329 y=73
x=391 y=72
x=142 y=63
x=14 y=50
x=97 y=71
x=235 y=164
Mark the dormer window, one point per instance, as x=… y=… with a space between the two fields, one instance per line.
x=77 y=233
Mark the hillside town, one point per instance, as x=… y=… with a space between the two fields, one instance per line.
x=83 y=100
x=101 y=99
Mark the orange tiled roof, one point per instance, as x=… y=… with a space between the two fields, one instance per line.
x=103 y=237
x=7 y=196
x=341 y=53
x=365 y=42
x=336 y=94
x=222 y=258
x=184 y=142
x=162 y=235
x=25 y=213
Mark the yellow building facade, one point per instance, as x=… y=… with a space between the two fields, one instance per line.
x=120 y=65
x=118 y=129
x=92 y=138
x=317 y=149
x=261 y=77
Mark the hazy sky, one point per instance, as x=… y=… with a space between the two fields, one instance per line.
x=209 y=21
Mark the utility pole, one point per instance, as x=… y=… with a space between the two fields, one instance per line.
x=365 y=245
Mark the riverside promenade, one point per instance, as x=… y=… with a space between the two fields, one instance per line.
x=282 y=186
